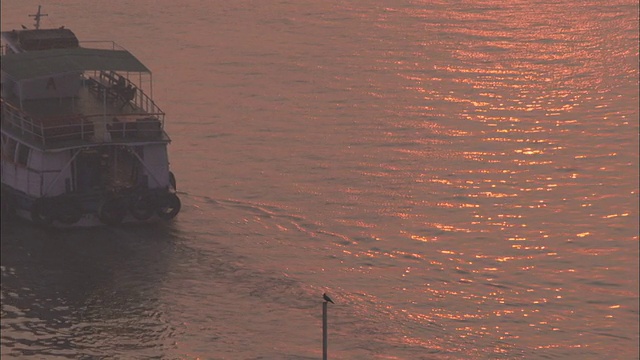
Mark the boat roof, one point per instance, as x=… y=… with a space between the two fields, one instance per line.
x=41 y=39
x=44 y=63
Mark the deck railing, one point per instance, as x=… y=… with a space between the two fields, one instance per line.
x=52 y=131
x=138 y=116
x=117 y=87
x=16 y=119
x=46 y=131
x=101 y=44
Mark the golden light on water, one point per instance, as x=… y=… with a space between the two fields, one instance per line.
x=521 y=162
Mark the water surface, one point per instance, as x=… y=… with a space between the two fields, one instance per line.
x=460 y=176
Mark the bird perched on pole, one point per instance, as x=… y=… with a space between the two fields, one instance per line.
x=326 y=298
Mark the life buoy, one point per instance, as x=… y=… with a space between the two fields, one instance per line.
x=168 y=206
x=68 y=211
x=42 y=211
x=142 y=207
x=112 y=211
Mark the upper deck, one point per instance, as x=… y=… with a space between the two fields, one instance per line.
x=68 y=96
x=98 y=114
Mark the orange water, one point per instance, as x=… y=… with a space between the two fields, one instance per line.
x=461 y=177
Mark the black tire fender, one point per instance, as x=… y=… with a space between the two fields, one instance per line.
x=68 y=211
x=143 y=207
x=168 y=206
x=112 y=211
x=42 y=211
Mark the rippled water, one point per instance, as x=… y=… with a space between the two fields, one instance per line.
x=460 y=176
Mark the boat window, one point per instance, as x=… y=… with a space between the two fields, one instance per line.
x=23 y=154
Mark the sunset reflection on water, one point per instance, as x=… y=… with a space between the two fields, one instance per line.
x=532 y=91
x=461 y=177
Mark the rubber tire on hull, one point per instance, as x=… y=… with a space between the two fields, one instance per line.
x=68 y=212
x=168 y=206
x=42 y=211
x=112 y=211
x=143 y=208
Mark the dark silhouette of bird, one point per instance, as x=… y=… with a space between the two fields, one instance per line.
x=24 y=27
x=326 y=298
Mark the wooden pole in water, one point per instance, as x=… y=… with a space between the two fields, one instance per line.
x=324 y=330
x=324 y=324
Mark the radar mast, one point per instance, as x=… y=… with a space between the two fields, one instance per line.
x=38 y=16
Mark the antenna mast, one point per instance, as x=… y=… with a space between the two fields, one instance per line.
x=37 y=17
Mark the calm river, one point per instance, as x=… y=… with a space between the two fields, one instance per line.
x=460 y=176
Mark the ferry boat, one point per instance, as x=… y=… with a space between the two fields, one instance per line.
x=83 y=142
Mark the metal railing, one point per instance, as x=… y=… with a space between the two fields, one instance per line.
x=51 y=131
x=110 y=82
x=101 y=44
x=144 y=119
